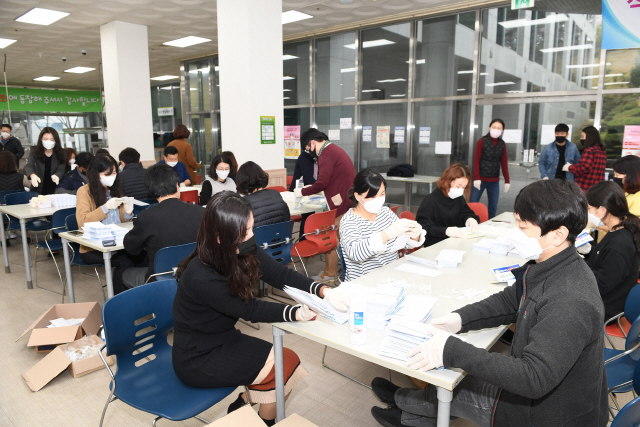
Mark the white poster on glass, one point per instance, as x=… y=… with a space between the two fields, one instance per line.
x=548 y=134
x=345 y=123
x=334 y=134
x=512 y=136
x=443 y=147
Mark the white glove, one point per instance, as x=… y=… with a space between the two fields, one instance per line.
x=305 y=314
x=584 y=249
x=128 y=207
x=398 y=228
x=415 y=232
x=429 y=354
x=297 y=192
x=113 y=203
x=182 y=185
x=35 y=181
x=477 y=183
x=472 y=224
x=566 y=166
x=454 y=232
x=55 y=179
x=451 y=323
x=546 y=177
x=507 y=187
x=336 y=299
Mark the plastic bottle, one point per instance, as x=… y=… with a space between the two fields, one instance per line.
x=299 y=184
x=358 y=320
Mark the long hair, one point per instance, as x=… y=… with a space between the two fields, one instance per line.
x=453 y=172
x=593 y=138
x=492 y=122
x=609 y=195
x=60 y=154
x=223 y=228
x=234 y=162
x=8 y=162
x=103 y=163
x=367 y=183
x=629 y=166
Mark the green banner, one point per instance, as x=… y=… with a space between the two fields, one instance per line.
x=50 y=100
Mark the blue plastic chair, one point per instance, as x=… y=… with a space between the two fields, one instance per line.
x=343 y=265
x=621 y=364
x=136 y=325
x=629 y=415
x=4 y=193
x=631 y=311
x=21 y=198
x=277 y=241
x=72 y=225
x=168 y=258
x=137 y=209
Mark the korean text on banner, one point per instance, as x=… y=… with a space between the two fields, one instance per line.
x=382 y=136
x=620 y=28
x=61 y=101
x=631 y=141
x=267 y=130
x=291 y=142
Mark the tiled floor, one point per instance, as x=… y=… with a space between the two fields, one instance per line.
x=323 y=397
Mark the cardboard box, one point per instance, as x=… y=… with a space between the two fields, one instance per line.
x=46 y=339
x=247 y=417
x=56 y=361
x=295 y=420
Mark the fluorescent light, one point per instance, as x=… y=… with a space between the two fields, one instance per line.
x=79 y=70
x=420 y=61
x=565 y=48
x=286 y=97
x=193 y=88
x=370 y=43
x=293 y=16
x=391 y=80
x=217 y=68
x=6 y=42
x=46 y=79
x=285 y=57
x=400 y=95
x=348 y=70
x=461 y=90
x=286 y=90
x=371 y=90
x=500 y=84
x=164 y=78
x=525 y=23
x=40 y=16
x=465 y=72
x=606 y=75
x=350 y=97
x=186 y=41
x=204 y=70
x=586 y=65
x=288 y=78
x=170 y=87
x=515 y=91
x=484 y=74
x=616 y=83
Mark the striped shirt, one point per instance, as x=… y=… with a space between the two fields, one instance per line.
x=113 y=215
x=361 y=242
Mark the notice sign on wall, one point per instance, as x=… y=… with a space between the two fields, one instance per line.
x=382 y=136
x=631 y=141
x=424 y=137
x=291 y=142
x=165 y=111
x=366 y=133
x=398 y=135
x=50 y=100
x=267 y=129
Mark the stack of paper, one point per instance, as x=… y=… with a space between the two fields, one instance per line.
x=402 y=336
x=419 y=260
x=472 y=234
x=449 y=258
x=583 y=238
x=501 y=246
x=496 y=228
x=61 y=200
x=416 y=308
x=504 y=274
x=382 y=303
x=318 y=305
x=61 y=322
x=483 y=245
x=100 y=232
x=411 y=267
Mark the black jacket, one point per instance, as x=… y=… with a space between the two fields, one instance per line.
x=555 y=374
x=268 y=207
x=132 y=178
x=13 y=145
x=304 y=169
x=437 y=212
x=38 y=167
x=11 y=181
x=70 y=183
x=615 y=263
x=169 y=223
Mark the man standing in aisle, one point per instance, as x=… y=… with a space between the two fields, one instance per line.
x=335 y=177
x=10 y=143
x=556 y=154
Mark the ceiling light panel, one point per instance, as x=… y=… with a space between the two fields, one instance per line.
x=287 y=57
x=186 y=41
x=45 y=79
x=370 y=43
x=41 y=16
x=79 y=70
x=161 y=78
x=6 y=42
x=566 y=48
x=294 y=16
x=391 y=80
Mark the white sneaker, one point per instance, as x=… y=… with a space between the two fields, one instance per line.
x=323 y=277
x=12 y=235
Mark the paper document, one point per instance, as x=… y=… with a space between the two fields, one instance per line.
x=449 y=258
x=503 y=274
x=399 y=243
x=418 y=260
x=138 y=202
x=416 y=269
x=317 y=304
x=583 y=238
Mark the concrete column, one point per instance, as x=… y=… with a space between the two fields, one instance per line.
x=125 y=64
x=250 y=55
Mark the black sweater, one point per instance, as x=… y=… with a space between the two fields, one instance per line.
x=13 y=145
x=268 y=207
x=438 y=212
x=555 y=374
x=11 y=181
x=132 y=178
x=304 y=169
x=615 y=263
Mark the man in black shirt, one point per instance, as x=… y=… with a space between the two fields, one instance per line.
x=9 y=142
x=562 y=148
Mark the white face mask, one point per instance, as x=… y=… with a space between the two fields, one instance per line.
x=454 y=193
x=72 y=161
x=172 y=164
x=595 y=220
x=374 y=205
x=528 y=247
x=222 y=174
x=108 y=180
x=495 y=133
x=73 y=166
x=48 y=144
x=5 y=135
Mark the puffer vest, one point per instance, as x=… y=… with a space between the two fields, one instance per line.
x=490 y=158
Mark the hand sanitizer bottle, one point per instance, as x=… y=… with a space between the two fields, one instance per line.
x=358 y=320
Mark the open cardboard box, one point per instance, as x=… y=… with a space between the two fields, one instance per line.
x=46 y=339
x=56 y=361
x=247 y=417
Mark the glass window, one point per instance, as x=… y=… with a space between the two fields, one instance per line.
x=216 y=84
x=154 y=108
x=296 y=117
x=385 y=62
x=296 y=73
x=335 y=75
x=198 y=85
x=201 y=137
x=166 y=122
x=623 y=69
x=177 y=105
x=442 y=43
x=618 y=111
x=328 y=118
x=381 y=154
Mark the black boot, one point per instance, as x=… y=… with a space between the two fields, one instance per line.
x=239 y=403
x=384 y=390
x=389 y=417
x=269 y=422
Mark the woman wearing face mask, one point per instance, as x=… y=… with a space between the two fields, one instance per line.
x=370 y=233
x=615 y=260
x=214 y=291
x=446 y=209
x=218 y=179
x=98 y=201
x=46 y=164
x=590 y=169
x=71 y=160
x=627 y=175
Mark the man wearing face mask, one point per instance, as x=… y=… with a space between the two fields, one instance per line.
x=335 y=175
x=78 y=177
x=10 y=143
x=555 y=373
x=171 y=158
x=555 y=155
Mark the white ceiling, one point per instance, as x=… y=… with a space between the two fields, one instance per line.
x=39 y=49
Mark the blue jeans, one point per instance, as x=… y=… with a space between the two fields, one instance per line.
x=473 y=400
x=493 y=194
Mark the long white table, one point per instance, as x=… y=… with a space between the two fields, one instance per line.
x=289 y=199
x=409 y=181
x=107 y=252
x=475 y=272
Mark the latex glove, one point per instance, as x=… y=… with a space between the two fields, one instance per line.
x=451 y=323
x=566 y=166
x=35 y=181
x=507 y=187
x=477 y=183
x=182 y=185
x=584 y=249
x=472 y=224
x=546 y=177
x=429 y=354
x=112 y=203
x=55 y=179
x=415 y=232
x=336 y=299
x=454 y=232
x=305 y=314
x=297 y=192
x=398 y=228
x=128 y=207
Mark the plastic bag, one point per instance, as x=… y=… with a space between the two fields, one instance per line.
x=82 y=349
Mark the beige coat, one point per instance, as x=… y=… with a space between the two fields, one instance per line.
x=87 y=211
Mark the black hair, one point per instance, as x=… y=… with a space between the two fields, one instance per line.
x=251 y=177
x=551 y=204
x=129 y=155
x=609 y=195
x=57 y=149
x=312 y=134
x=495 y=121
x=8 y=162
x=103 y=163
x=561 y=127
x=170 y=150
x=103 y=151
x=161 y=180
x=83 y=159
x=368 y=183
x=6 y=125
x=593 y=138
x=629 y=166
x=220 y=158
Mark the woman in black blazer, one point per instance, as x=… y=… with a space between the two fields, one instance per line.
x=46 y=163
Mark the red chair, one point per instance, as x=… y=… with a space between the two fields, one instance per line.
x=189 y=196
x=407 y=215
x=278 y=188
x=289 y=180
x=395 y=209
x=199 y=178
x=481 y=210
x=320 y=234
